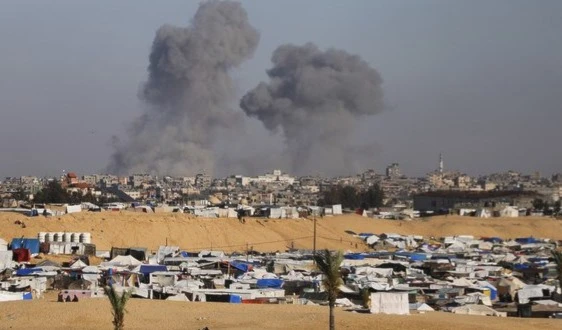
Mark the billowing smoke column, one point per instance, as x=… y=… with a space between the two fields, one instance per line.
x=187 y=92
x=315 y=97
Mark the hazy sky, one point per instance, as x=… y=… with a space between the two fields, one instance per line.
x=480 y=81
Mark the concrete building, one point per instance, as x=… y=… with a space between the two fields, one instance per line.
x=393 y=171
x=448 y=199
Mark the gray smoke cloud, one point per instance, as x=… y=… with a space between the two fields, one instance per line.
x=315 y=97
x=187 y=93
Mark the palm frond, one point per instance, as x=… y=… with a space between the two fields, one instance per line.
x=329 y=264
x=118 y=300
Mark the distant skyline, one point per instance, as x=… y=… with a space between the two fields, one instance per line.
x=479 y=81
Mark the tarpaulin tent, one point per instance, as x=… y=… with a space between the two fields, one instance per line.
x=354 y=256
x=21 y=255
x=14 y=296
x=147 y=269
x=32 y=244
x=241 y=266
x=390 y=303
x=270 y=283
x=28 y=271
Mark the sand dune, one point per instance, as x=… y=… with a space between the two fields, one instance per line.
x=146 y=314
x=125 y=228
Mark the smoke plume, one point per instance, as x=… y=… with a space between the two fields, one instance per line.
x=187 y=93
x=315 y=97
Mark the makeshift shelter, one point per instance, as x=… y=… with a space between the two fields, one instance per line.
x=509 y=212
x=477 y=310
x=21 y=255
x=482 y=213
x=78 y=264
x=14 y=296
x=3 y=245
x=73 y=208
x=509 y=286
x=390 y=303
x=6 y=258
x=143 y=209
x=421 y=307
x=32 y=244
x=124 y=261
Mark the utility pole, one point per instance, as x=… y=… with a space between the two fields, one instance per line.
x=246 y=251
x=314 y=241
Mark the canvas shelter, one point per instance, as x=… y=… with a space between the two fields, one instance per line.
x=124 y=261
x=477 y=310
x=390 y=303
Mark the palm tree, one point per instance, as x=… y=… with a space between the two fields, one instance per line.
x=329 y=264
x=118 y=302
x=557 y=255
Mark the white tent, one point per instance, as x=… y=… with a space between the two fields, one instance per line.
x=477 y=310
x=372 y=239
x=483 y=213
x=91 y=270
x=390 y=303
x=124 y=261
x=178 y=297
x=78 y=264
x=509 y=212
x=143 y=209
x=421 y=307
x=3 y=245
x=73 y=208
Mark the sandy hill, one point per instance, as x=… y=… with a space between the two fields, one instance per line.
x=122 y=229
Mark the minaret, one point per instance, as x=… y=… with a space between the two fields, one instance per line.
x=440 y=163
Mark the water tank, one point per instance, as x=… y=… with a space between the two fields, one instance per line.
x=75 y=237
x=50 y=237
x=59 y=236
x=42 y=236
x=85 y=238
x=68 y=237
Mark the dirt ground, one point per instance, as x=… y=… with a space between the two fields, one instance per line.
x=95 y=313
x=128 y=229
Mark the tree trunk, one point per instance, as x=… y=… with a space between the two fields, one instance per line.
x=332 y=320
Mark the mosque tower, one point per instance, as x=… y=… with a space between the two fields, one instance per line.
x=441 y=163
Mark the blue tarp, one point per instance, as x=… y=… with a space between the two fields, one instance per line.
x=32 y=244
x=240 y=266
x=418 y=257
x=526 y=240
x=520 y=266
x=27 y=296
x=235 y=299
x=27 y=271
x=354 y=256
x=147 y=269
x=270 y=283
